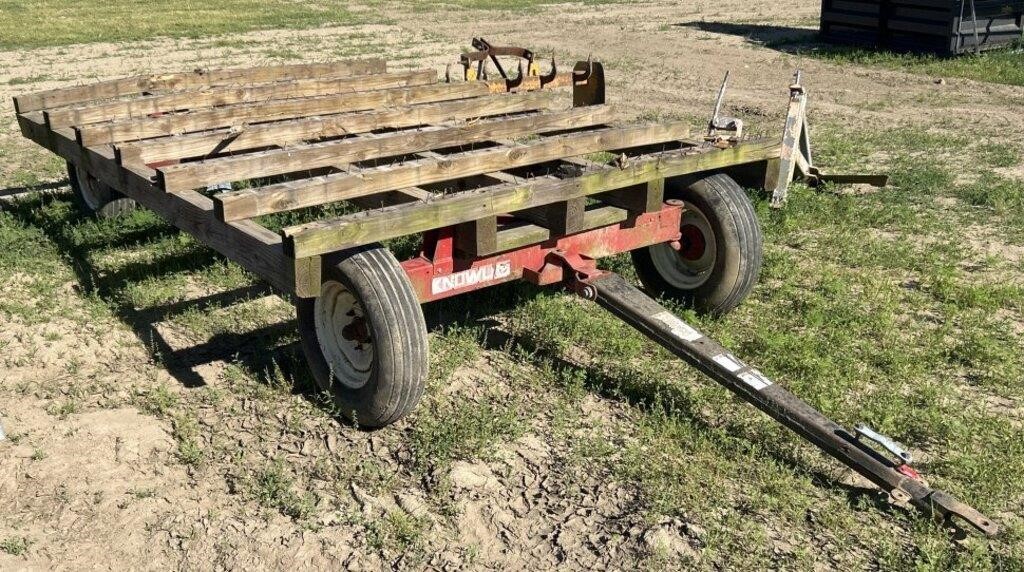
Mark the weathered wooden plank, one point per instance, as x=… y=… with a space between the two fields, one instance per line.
x=598 y=216
x=360 y=228
x=320 y=190
x=238 y=116
x=477 y=237
x=561 y=218
x=526 y=234
x=643 y=198
x=140 y=84
x=308 y=276
x=795 y=131
x=218 y=96
x=387 y=198
x=297 y=158
x=437 y=106
x=519 y=236
x=247 y=243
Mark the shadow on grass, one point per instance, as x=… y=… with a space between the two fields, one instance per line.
x=270 y=349
x=1002 y=64
x=265 y=353
x=639 y=392
x=257 y=350
x=789 y=40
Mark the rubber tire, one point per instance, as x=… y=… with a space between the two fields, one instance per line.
x=400 y=363
x=114 y=203
x=739 y=246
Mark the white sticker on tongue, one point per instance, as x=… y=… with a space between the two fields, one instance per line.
x=755 y=379
x=680 y=329
x=729 y=362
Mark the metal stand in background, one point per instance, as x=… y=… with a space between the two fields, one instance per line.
x=796 y=154
x=974 y=26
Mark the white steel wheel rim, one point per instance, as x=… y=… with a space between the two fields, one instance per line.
x=343 y=334
x=685 y=268
x=89 y=188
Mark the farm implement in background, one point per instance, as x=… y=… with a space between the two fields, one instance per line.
x=503 y=179
x=795 y=159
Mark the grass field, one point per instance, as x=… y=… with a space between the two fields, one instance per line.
x=998 y=66
x=902 y=308
x=71 y=22
x=1003 y=65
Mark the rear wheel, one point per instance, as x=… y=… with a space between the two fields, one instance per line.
x=96 y=197
x=365 y=338
x=716 y=263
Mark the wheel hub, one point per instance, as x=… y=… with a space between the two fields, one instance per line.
x=91 y=189
x=690 y=264
x=356 y=331
x=343 y=334
x=693 y=244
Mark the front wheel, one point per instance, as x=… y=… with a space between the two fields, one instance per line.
x=96 y=197
x=716 y=263
x=365 y=338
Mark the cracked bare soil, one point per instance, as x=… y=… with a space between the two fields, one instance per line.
x=99 y=485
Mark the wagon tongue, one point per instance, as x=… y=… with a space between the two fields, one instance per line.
x=856 y=449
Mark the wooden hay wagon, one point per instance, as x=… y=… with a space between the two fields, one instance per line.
x=504 y=178
x=492 y=172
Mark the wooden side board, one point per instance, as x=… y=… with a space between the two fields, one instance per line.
x=247 y=243
x=371 y=226
x=190 y=80
x=402 y=108
x=314 y=191
x=291 y=159
x=218 y=96
x=238 y=116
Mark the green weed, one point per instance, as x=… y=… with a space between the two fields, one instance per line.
x=59 y=22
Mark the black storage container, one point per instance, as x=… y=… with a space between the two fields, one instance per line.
x=940 y=26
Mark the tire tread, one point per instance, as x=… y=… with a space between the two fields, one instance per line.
x=400 y=338
x=734 y=212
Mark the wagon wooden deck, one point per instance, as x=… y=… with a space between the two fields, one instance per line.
x=501 y=162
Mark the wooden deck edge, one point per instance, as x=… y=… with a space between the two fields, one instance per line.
x=292 y=195
x=247 y=243
x=369 y=226
x=108 y=89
